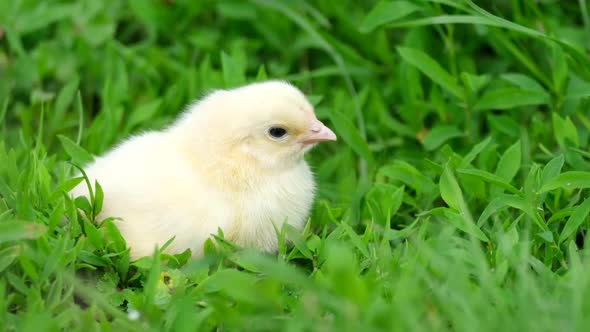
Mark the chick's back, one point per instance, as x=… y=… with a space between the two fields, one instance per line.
x=151 y=188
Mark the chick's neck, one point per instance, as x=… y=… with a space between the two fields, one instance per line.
x=232 y=168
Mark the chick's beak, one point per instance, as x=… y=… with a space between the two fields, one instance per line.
x=318 y=132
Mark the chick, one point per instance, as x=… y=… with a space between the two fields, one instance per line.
x=233 y=160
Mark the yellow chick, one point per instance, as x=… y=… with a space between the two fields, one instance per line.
x=233 y=160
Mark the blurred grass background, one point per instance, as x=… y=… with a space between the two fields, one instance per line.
x=456 y=199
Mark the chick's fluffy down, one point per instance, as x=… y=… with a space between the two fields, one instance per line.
x=216 y=167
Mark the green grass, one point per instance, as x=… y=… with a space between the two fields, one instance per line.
x=456 y=199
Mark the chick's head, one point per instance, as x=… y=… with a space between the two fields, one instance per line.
x=270 y=123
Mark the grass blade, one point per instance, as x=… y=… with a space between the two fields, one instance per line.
x=429 y=67
x=579 y=215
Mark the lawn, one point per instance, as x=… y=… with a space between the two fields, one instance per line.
x=456 y=198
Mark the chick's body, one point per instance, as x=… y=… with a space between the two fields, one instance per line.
x=218 y=166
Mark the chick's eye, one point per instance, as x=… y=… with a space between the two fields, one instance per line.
x=277 y=132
